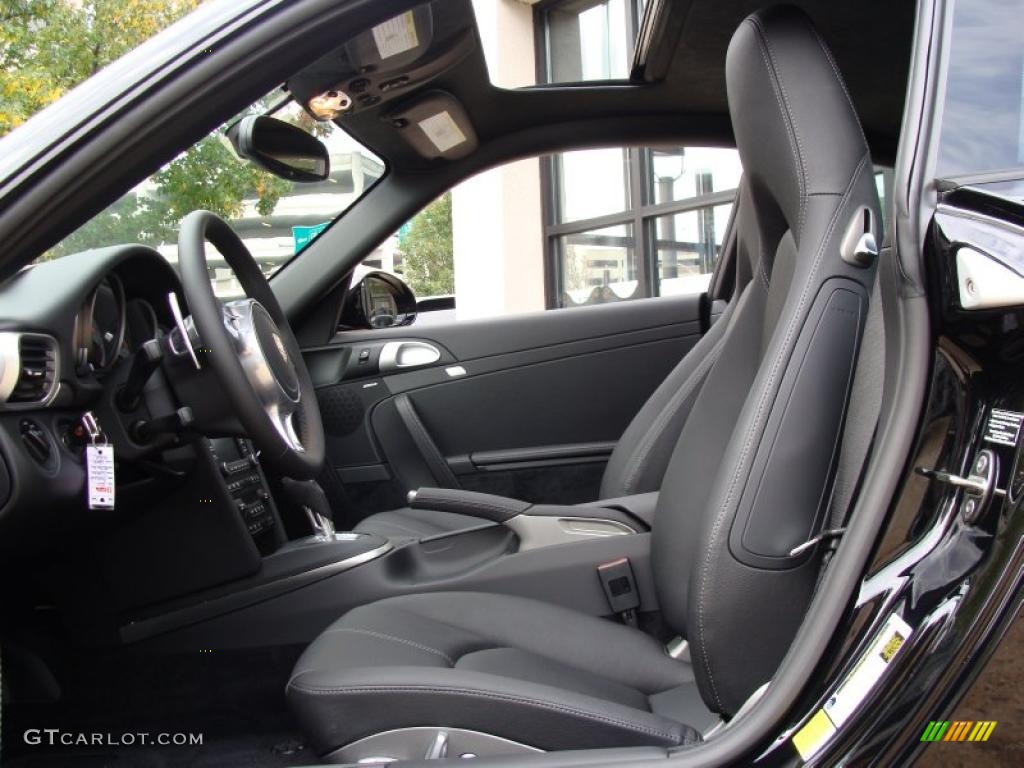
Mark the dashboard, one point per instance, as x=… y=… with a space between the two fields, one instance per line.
x=96 y=307
x=68 y=330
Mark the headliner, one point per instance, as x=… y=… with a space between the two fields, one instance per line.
x=684 y=102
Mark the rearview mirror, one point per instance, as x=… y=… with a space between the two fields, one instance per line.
x=281 y=148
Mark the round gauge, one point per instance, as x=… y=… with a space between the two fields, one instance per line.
x=101 y=325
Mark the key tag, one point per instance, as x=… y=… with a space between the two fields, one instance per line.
x=99 y=465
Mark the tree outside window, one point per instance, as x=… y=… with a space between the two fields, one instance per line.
x=426 y=249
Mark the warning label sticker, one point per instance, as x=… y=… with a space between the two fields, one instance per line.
x=443 y=131
x=1003 y=427
x=396 y=36
x=855 y=688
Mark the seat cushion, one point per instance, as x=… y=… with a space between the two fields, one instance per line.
x=416 y=523
x=508 y=666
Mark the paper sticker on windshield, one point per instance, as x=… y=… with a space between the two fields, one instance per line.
x=443 y=131
x=396 y=35
x=1003 y=427
x=856 y=686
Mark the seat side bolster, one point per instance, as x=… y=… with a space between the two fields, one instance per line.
x=339 y=707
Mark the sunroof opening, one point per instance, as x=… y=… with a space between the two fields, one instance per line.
x=587 y=40
x=567 y=41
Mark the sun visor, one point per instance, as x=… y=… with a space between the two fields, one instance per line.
x=436 y=125
x=393 y=44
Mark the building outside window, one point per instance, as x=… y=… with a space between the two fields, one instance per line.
x=587 y=39
x=629 y=223
x=623 y=223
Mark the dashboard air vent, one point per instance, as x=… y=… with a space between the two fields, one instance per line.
x=38 y=370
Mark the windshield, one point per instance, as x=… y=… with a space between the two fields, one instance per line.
x=47 y=48
x=275 y=218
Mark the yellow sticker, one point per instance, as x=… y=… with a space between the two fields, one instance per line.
x=813 y=736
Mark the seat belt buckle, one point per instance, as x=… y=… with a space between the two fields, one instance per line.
x=619 y=586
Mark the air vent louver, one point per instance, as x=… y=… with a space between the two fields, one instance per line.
x=38 y=374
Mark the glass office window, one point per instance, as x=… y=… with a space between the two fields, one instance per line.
x=684 y=173
x=687 y=247
x=589 y=39
x=592 y=182
x=598 y=266
x=611 y=240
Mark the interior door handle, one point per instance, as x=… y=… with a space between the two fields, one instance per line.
x=403 y=355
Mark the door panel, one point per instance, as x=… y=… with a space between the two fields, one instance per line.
x=528 y=406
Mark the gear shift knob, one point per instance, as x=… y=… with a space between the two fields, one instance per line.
x=310 y=497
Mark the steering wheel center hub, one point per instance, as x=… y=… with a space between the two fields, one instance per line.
x=261 y=348
x=274 y=352
x=267 y=363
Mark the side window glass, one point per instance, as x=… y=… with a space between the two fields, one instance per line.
x=983 y=104
x=633 y=223
x=568 y=230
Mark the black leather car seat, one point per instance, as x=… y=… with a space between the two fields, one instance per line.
x=637 y=464
x=750 y=479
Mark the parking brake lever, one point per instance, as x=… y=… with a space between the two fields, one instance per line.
x=308 y=495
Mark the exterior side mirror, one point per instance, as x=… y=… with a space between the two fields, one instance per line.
x=281 y=148
x=378 y=300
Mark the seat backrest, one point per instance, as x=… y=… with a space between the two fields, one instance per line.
x=751 y=475
x=638 y=463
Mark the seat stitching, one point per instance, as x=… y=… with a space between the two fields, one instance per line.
x=768 y=55
x=394 y=638
x=664 y=416
x=839 y=78
x=762 y=252
x=470 y=505
x=321 y=691
x=755 y=428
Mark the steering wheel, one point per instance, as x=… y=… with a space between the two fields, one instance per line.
x=252 y=350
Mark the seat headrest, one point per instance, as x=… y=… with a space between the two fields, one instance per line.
x=795 y=125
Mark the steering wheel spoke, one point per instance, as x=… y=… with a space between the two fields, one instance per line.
x=284 y=420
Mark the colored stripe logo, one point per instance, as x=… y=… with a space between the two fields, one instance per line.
x=958 y=730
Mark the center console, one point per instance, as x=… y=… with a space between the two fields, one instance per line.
x=547 y=552
x=239 y=465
